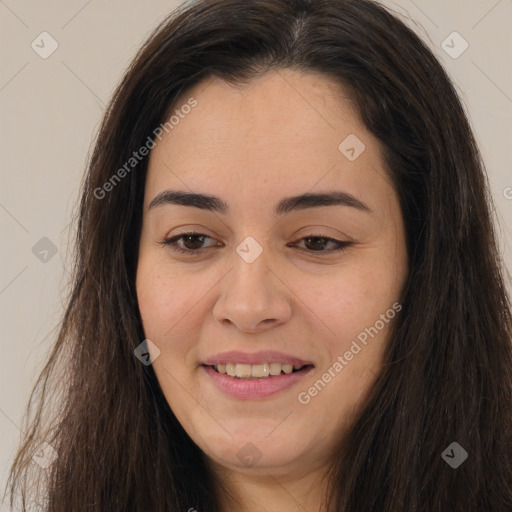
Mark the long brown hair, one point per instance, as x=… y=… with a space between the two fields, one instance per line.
x=447 y=375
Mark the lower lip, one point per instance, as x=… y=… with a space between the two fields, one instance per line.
x=257 y=388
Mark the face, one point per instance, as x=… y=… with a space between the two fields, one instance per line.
x=296 y=264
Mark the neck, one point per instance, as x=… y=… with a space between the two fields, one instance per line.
x=267 y=491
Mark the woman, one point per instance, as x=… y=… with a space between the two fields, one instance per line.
x=287 y=294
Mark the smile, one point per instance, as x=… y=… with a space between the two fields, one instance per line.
x=256 y=371
x=241 y=386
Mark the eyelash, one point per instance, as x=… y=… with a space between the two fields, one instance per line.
x=171 y=244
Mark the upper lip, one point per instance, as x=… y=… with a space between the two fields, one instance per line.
x=266 y=356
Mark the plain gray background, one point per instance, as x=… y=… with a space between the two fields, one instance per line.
x=51 y=109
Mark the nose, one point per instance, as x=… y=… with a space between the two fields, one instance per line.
x=253 y=297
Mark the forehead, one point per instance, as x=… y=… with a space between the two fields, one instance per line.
x=284 y=131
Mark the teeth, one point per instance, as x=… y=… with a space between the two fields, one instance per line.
x=260 y=370
x=287 y=368
x=275 y=368
x=243 y=371
x=255 y=371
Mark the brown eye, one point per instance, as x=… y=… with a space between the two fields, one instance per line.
x=315 y=243
x=191 y=243
x=318 y=243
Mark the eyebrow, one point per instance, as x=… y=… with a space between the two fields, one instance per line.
x=286 y=205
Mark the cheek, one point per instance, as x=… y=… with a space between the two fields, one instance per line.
x=156 y=303
x=358 y=309
x=173 y=304
x=351 y=307
x=163 y=297
x=353 y=300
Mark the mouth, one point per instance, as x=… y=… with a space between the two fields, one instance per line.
x=258 y=375
x=262 y=380
x=261 y=371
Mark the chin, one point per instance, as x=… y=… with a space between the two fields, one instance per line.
x=254 y=453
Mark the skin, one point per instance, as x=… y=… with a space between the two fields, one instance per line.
x=253 y=145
